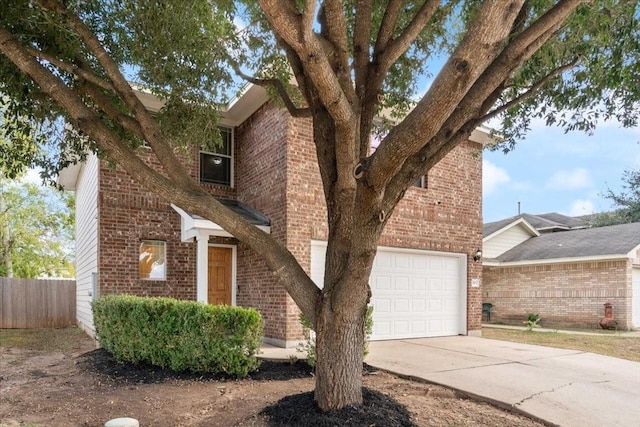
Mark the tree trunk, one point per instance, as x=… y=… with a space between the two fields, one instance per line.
x=6 y=239
x=339 y=343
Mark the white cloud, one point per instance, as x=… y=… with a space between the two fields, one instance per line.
x=569 y=179
x=582 y=207
x=492 y=177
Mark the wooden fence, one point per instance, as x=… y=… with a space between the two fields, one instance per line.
x=37 y=303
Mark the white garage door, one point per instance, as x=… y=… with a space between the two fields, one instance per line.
x=415 y=294
x=635 y=302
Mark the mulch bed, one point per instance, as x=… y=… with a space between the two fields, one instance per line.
x=377 y=410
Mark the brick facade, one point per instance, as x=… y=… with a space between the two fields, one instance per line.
x=276 y=173
x=569 y=294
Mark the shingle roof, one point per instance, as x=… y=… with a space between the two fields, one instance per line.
x=542 y=222
x=600 y=241
x=251 y=215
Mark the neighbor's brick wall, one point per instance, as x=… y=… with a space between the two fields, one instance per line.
x=564 y=294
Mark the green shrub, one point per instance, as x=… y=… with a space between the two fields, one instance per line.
x=533 y=321
x=179 y=335
x=308 y=346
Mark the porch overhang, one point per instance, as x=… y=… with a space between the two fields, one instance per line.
x=194 y=226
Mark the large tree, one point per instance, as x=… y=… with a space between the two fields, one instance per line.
x=569 y=61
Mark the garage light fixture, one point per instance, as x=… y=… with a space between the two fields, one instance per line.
x=477 y=255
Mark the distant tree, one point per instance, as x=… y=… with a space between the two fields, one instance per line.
x=627 y=202
x=36 y=231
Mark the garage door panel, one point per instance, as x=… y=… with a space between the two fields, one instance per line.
x=401 y=284
x=381 y=283
x=419 y=305
x=414 y=293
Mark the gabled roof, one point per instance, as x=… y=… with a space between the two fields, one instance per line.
x=493 y=229
x=611 y=241
x=543 y=223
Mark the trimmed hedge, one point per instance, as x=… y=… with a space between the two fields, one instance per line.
x=179 y=335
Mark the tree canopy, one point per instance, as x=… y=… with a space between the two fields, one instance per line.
x=425 y=73
x=36 y=230
x=626 y=202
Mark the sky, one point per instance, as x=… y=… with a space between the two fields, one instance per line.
x=550 y=171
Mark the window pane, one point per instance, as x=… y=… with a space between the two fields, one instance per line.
x=225 y=137
x=152 y=260
x=215 y=169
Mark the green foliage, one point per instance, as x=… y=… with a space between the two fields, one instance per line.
x=308 y=346
x=627 y=203
x=600 y=43
x=36 y=230
x=533 y=321
x=19 y=142
x=179 y=335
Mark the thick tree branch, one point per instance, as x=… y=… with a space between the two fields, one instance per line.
x=521 y=48
x=333 y=28
x=361 y=37
x=73 y=69
x=185 y=193
x=288 y=26
x=282 y=93
x=531 y=91
x=482 y=43
x=397 y=47
x=386 y=52
x=151 y=130
x=105 y=104
x=387 y=26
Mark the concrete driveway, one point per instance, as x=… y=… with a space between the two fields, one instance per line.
x=562 y=387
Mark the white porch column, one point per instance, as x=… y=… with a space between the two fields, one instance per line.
x=202 y=267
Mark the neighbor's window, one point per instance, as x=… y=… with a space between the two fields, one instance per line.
x=216 y=165
x=152 y=265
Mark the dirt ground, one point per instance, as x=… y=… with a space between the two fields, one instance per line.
x=58 y=378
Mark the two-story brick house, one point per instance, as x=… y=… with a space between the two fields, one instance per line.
x=425 y=281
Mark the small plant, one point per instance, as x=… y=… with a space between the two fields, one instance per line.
x=308 y=346
x=533 y=321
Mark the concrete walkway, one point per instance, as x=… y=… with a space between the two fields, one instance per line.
x=562 y=387
x=625 y=334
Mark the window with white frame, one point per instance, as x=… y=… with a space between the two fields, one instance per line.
x=216 y=164
x=152 y=262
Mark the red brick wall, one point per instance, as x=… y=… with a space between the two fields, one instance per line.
x=261 y=184
x=564 y=294
x=128 y=214
x=276 y=172
x=447 y=216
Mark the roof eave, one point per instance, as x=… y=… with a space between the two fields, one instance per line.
x=516 y=222
x=611 y=257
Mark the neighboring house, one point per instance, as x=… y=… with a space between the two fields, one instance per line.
x=554 y=266
x=424 y=281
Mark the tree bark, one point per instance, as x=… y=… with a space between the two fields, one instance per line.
x=339 y=344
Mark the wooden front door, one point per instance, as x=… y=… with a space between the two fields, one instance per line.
x=220 y=284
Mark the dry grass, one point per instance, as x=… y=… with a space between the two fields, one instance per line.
x=608 y=345
x=61 y=339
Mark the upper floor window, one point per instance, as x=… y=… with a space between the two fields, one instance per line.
x=216 y=164
x=421 y=182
